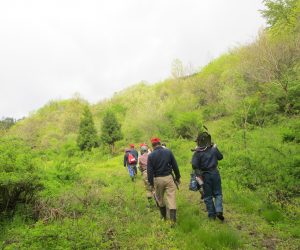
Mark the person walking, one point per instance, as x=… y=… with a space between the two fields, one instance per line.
x=143 y=161
x=130 y=161
x=205 y=163
x=161 y=163
x=136 y=156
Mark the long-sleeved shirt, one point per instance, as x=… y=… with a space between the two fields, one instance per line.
x=161 y=162
x=134 y=153
x=143 y=162
x=207 y=159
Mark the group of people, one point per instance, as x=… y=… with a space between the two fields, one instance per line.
x=161 y=175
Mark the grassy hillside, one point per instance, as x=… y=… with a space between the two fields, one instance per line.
x=95 y=205
x=54 y=196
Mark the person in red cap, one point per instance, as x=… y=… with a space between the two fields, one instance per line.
x=161 y=163
x=130 y=160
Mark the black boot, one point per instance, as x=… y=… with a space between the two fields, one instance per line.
x=163 y=212
x=220 y=216
x=173 y=217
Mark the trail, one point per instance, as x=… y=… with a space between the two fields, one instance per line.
x=106 y=210
x=239 y=231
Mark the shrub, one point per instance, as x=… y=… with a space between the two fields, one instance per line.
x=19 y=180
x=187 y=125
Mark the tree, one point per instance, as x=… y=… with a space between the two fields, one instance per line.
x=87 y=137
x=6 y=123
x=111 y=130
x=177 y=69
x=20 y=178
x=282 y=16
x=276 y=62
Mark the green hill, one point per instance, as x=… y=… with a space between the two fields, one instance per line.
x=54 y=196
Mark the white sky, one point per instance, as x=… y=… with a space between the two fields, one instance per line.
x=52 y=49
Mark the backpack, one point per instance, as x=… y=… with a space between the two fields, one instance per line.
x=131 y=159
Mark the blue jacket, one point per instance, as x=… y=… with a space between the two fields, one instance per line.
x=206 y=159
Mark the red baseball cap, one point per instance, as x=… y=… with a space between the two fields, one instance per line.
x=142 y=144
x=131 y=145
x=155 y=140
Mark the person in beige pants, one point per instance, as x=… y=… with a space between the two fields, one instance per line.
x=161 y=163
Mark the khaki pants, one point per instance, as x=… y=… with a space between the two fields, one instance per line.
x=166 y=185
x=147 y=186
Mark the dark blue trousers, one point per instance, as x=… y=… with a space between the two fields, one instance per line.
x=213 y=193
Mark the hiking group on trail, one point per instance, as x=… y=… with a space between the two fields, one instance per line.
x=161 y=175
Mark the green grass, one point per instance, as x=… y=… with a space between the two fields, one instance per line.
x=98 y=207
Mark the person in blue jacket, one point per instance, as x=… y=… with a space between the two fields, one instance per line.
x=205 y=161
x=132 y=168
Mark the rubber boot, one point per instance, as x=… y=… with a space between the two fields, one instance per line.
x=173 y=217
x=220 y=216
x=163 y=212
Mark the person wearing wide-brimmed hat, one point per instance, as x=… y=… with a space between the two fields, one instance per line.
x=205 y=160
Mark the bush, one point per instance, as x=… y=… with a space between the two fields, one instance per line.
x=19 y=181
x=187 y=125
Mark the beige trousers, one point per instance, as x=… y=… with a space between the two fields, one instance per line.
x=147 y=186
x=165 y=185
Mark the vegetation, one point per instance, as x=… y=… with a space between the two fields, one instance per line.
x=111 y=130
x=87 y=137
x=6 y=123
x=55 y=196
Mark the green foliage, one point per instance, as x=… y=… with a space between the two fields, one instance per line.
x=49 y=127
x=249 y=100
x=282 y=15
x=87 y=136
x=111 y=129
x=187 y=125
x=292 y=133
x=271 y=215
x=20 y=177
x=6 y=123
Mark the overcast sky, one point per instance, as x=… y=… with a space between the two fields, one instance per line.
x=53 y=49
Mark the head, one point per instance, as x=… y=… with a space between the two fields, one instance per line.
x=131 y=146
x=144 y=149
x=155 y=142
x=203 y=139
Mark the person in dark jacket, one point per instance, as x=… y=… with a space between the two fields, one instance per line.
x=136 y=156
x=161 y=163
x=132 y=168
x=205 y=163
